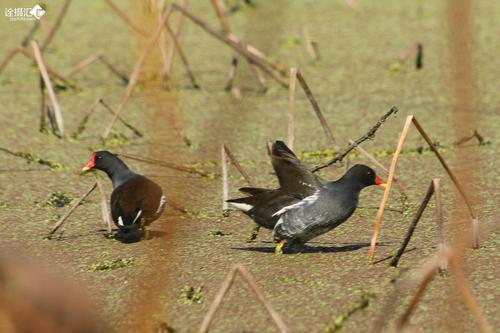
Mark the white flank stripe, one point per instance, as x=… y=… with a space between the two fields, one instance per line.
x=163 y=200
x=137 y=216
x=306 y=201
x=242 y=206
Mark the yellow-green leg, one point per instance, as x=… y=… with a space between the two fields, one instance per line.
x=279 y=247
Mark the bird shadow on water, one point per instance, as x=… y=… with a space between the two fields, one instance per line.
x=342 y=247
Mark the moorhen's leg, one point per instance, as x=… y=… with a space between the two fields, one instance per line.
x=279 y=248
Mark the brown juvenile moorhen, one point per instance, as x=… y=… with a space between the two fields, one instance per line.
x=304 y=206
x=136 y=201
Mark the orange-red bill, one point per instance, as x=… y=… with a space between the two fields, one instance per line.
x=379 y=181
x=90 y=164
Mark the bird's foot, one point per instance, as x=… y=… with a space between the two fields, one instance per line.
x=279 y=247
x=254 y=234
x=145 y=233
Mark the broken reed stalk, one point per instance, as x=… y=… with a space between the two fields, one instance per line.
x=292 y=111
x=231 y=73
x=249 y=52
x=161 y=40
x=128 y=125
x=225 y=186
x=113 y=69
x=471 y=303
x=72 y=209
x=165 y=164
x=170 y=56
x=309 y=44
x=439 y=218
x=419 y=58
x=43 y=123
x=390 y=177
x=409 y=120
x=430 y=191
x=85 y=119
x=30 y=33
x=125 y=18
x=370 y=134
x=182 y=55
x=238 y=166
x=426 y=274
x=134 y=77
x=8 y=57
x=56 y=26
x=106 y=218
x=475 y=134
x=219 y=9
x=50 y=89
x=260 y=78
x=81 y=65
x=51 y=71
x=317 y=110
x=226 y=285
x=475 y=227
x=428 y=271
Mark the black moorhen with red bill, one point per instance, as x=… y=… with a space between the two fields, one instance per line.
x=304 y=206
x=136 y=201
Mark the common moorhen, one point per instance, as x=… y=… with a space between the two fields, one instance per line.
x=136 y=201
x=304 y=206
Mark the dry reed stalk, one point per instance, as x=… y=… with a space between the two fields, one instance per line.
x=43 y=123
x=125 y=17
x=90 y=60
x=127 y=124
x=165 y=164
x=113 y=69
x=390 y=177
x=317 y=110
x=81 y=65
x=51 y=71
x=309 y=44
x=238 y=166
x=452 y=177
x=425 y=275
x=250 y=52
x=226 y=285
x=370 y=134
x=85 y=118
x=72 y=209
x=439 y=219
x=182 y=55
x=219 y=9
x=409 y=120
x=160 y=5
x=225 y=186
x=292 y=111
x=170 y=56
x=464 y=289
x=106 y=218
x=416 y=218
x=134 y=77
x=31 y=33
x=8 y=57
x=50 y=89
x=231 y=73
x=56 y=26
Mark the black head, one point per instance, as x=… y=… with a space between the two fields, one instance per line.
x=105 y=161
x=363 y=176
